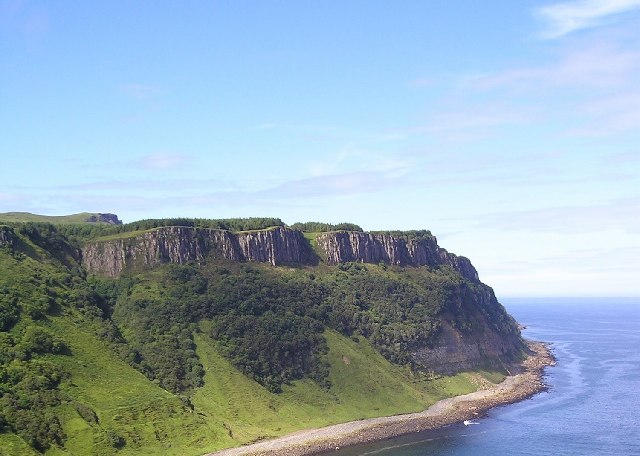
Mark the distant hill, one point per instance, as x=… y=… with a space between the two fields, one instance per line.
x=83 y=217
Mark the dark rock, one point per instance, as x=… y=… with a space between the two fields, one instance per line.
x=184 y=244
x=7 y=237
x=347 y=246
x=111 y=219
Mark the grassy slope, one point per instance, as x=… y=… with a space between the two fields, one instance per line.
x=29 y=217
x=152 y=420
x=230 y=409
x=364 y=385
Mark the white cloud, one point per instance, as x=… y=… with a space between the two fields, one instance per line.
x=480 y=117
x=593 y=66
x=610 y=115
x=563 y=18
x=332 y=185
x=163 y=161
x=11 y=201
x=590 y=90
x=140 y=91
x=617 y=214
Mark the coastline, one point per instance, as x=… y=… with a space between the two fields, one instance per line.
x=444 y=412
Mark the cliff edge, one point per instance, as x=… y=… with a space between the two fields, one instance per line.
x=276 y=246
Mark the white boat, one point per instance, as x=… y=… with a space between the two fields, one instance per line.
x=468 y=422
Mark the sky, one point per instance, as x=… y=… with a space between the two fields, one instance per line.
x=509 y=129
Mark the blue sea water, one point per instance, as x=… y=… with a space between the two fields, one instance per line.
x=592 y=406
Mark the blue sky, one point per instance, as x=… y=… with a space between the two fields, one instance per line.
x=509 y=129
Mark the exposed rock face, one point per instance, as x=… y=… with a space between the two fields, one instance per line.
x=183 y=244
x=274 y=246
x=7 y=237
x=111 y=219
x=456 y=351
x=344 y=246
x=488 y=333
x=474 y=329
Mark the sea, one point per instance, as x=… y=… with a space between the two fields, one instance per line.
x=591 y=407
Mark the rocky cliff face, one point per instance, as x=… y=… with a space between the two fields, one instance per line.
x=455 y=351
x=274 y=246
x=475 y=329
x=7 y=237
x=345 y=246
x=111 y=219
x=183 y=244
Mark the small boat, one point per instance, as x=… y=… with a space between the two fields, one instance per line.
x=468 y=422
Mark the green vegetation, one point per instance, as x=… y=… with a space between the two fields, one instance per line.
x=185 y=359
x=319 y=227
x=408 y=234
x=75 y=228
x=22 y=217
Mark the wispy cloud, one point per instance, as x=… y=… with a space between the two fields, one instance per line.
x=474 y=117
x=563 y=18
x=182 y=196
x=11 y=198
x=619 y=214
x=331 y=185
x=594 y=66
x=264 y=126
x=153 y=186
x=591 y=89
x=30 y=20
x=359 y=158
x=140 y=91
x=610 y=115
x=161 y=161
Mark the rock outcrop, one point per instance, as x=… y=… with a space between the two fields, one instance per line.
x=275 y=246
x=345 y=246
x=184 y=244
x=454 y=351
x=474 y=329
x=7 y=237
x=111 y=219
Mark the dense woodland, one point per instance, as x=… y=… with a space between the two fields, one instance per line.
x=268 y=322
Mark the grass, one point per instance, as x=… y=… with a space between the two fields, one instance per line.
x=11 y=444
x=133 y=234
x=364 y=385
x=29 y=217
x=149 y=418
x=123 y=235
x=230 y=409
x=312 y=238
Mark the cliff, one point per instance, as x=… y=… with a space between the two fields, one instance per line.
x=486 y=329
x=110 y=219
x=184 y=244
x=346 y=246
x=274 y=246
x=7 y=237
x=263 y=329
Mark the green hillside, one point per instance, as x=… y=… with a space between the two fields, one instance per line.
x=187 y=359
x=22 y=217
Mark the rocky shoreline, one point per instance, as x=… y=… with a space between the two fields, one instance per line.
x=514 y=388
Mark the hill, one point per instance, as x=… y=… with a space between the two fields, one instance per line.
x=155 y=338
x=83 y=217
